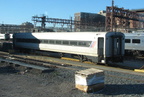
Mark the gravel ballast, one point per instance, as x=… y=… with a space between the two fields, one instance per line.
x=61 y=83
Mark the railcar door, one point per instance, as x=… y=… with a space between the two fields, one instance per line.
x=100 y=49
x=116 y=48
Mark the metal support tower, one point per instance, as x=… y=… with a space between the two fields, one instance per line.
x=70 y=22
x=122 y=19
x=45 y=20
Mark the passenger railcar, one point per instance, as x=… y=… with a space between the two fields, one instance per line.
x=134 y=43
x=99 y=47
x=4 y=36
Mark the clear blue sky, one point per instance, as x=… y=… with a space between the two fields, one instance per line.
x=19 y=11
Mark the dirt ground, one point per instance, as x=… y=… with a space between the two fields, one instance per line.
x=61 y=83
x=14 y=83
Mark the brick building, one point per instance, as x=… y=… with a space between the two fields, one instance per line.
x=138 y=24
x=89 y=21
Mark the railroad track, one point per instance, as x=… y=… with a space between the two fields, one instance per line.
x=60 y=63
x=70 y=65
x=37 y=61
x=134 y=57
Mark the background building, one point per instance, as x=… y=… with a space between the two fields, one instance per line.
x=130 y=20
x=138 y=25
x=10 y=28
x=89 y=21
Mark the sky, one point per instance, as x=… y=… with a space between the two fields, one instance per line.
x=20 y=11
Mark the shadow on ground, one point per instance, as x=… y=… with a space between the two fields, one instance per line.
x=130 y=89
x=8 y=69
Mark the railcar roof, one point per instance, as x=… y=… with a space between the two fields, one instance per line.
x=134 y=34
x=65 y=33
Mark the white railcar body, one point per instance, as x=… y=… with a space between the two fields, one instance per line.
x=11 y=36
x=4 y=36
x=99 y=45
x=134 y=42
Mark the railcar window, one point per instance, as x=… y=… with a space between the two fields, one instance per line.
x=136 y=41
x=127 y=40
x=41 y=41
x=88 y=43
x=45 y=41
x=85 y=43
x=82 y=43
x=66 y=42
x=29 y=40
x=58 y=41
x=34 y=41
x=19 y=40
x=73 y=43
x=61 y=42
x=51 y=41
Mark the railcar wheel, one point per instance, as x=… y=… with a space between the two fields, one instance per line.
x=61 y=55
x=82 y=58
x=136 y=53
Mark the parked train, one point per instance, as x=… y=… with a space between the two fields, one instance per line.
x=134 y=44
x=4 y=36
x=99 y=47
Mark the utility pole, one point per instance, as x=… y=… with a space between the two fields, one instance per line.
x=112 y=16
x=71 y=23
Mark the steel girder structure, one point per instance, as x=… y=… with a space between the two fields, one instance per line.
x=70 y=22
x=122 y=19
x=44 y=19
